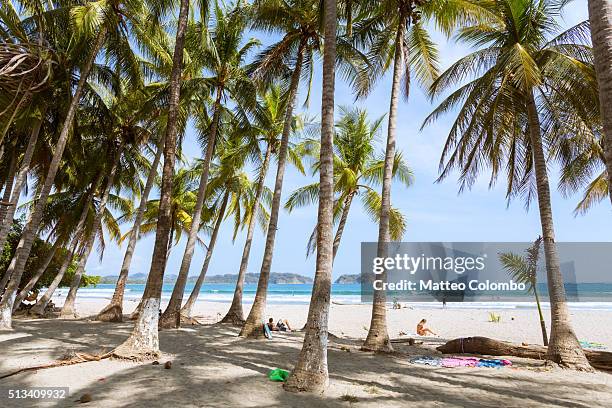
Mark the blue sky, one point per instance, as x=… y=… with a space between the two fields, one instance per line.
x=435 y=212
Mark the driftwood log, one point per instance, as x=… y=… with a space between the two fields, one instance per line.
x=483 y=345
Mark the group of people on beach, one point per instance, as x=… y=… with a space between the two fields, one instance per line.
x=283 y=325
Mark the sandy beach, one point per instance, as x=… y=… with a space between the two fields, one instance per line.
x=211 y=366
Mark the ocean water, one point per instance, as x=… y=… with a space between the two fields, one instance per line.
x=593 y=296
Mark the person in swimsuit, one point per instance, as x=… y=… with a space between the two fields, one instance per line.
x=282 y=325
x=422 y=330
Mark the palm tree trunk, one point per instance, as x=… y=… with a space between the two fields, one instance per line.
x=542 y=321
x=310 y=373
x=68 y=309
x=7 y=213
x=6 y=195
x=144 y=340
x=252 y=326
x=187 y=309
x=170 y=317
x=235 y=314
x=114 y=311
x=39 y=272
x=563 y=347
x=378 y=336
x=41 y=304
x=30 y=230
x=600 y=18
x=345 y=212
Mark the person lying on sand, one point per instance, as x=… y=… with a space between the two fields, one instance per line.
x=282 y=325
x=422 y=330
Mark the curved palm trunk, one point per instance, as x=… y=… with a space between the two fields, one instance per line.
x=378 y=335
x=41 y=304
x=187 y=309
x=252 y=326
x=235 y=314
x=7 y=213
x=170 y=317
x=68 y=309
x=563 y=347
x=345 y=212
x=6 y=195
x=114 y=311
x=600 y=18
x=310 y=373
x=542 y=321
x=144 y=340
x=30 y=230
x=39 y=272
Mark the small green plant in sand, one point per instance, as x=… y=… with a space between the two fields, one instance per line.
x=494 y=317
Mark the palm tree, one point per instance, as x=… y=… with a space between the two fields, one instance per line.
x=267 y=126
x=524 y=269
x=299 y=23
x=233 y=195
x=144 y=340
x=517 y=71
x=357 y=171
x=114 y=311
x=310 y=372
x=224 y=59
x=600 y=17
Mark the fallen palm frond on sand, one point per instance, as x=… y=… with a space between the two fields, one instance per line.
x=74 y=358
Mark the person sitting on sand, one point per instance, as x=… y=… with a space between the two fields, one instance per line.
x=282 y=325
x=422 y=330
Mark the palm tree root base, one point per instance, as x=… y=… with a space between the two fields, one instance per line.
x=130 y=351
x=233 y=318
x=306 y=381
x=169 y=321
x=250 y=331
x=377 y=343
x=111 y=313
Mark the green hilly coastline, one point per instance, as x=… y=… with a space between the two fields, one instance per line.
x=250 y=278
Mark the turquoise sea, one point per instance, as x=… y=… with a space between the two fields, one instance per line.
x=593 y=296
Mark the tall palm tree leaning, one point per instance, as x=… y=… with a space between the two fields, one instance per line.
x=600 y=17
x=267 y=124
x=224 y=58
x=392 y=31
x=144 y=340
x=304 y=38
x=310 y=373
x=505 y=116
x=17 y=265
x=113 y=312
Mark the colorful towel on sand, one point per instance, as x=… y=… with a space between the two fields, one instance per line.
x=450 y=362
x=592 y=345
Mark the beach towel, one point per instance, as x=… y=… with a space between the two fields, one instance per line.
x=427 y=360
x=451 y=362
x=460 y=362
x=592 y=345
x=278 y=375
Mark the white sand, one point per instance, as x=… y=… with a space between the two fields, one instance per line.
x=212 y=367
